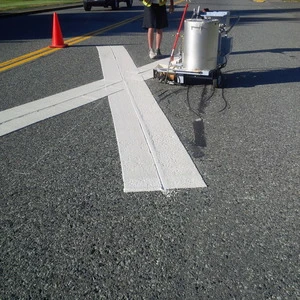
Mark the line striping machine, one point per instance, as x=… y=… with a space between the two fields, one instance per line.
x=206 y=47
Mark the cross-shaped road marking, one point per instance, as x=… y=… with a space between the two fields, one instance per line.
x=152 y=156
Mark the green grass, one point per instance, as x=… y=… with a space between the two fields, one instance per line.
x=25 y=4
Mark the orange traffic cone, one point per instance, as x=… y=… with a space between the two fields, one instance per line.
x=57 y=39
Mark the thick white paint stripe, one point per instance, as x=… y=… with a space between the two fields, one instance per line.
x=138 y=169
x=160 y=161
x=110 y=69
x=21 y=116
x=18 y=117
x=146 y=71
x=40 y=104
x=174 y=165
x=176 y=168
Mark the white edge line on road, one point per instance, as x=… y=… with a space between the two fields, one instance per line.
x=167 y=162
x=27 y=114
x=138 y=169
x=173 y=164
x=21 y=116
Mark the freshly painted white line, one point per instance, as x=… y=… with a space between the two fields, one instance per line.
x=146 y=71
x=152 y=156
x=174 y=167
x=138 y=169
x=27 y=114
x=53 y=100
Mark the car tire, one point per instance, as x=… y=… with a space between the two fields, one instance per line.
x=86 y=6
x=115 y=5
x=129 y=3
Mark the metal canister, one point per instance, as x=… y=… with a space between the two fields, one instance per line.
x=201 y=37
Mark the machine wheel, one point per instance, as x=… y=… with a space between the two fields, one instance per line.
x=129 y=3
x=115 y=5
x=217 y=79
x=86 y=6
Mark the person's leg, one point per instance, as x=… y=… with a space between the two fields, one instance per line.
x=161 y=22
x=150 y=37
x=152 y=54
x=158 y=38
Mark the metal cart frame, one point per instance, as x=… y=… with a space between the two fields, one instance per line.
x=175 y=73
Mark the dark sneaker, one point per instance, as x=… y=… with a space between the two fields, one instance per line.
x=158 y=53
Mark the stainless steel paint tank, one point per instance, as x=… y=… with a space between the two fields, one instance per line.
x=200 y=50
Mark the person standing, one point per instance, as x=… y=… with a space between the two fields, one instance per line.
x=155 y=19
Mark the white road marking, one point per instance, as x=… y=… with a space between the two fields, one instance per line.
x=27 y=114
x=173 y=166
x=138 y=169
x=152 y=156
x=21 y=116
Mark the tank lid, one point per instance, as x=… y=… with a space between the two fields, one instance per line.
x=202 y=20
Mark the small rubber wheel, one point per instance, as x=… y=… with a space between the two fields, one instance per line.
x=217 y=80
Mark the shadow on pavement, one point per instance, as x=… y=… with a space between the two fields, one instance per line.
x=276 y=50
x=261 y=77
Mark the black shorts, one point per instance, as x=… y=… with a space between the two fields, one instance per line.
x=155 y=16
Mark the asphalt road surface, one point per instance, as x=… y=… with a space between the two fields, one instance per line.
x=68 y=230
